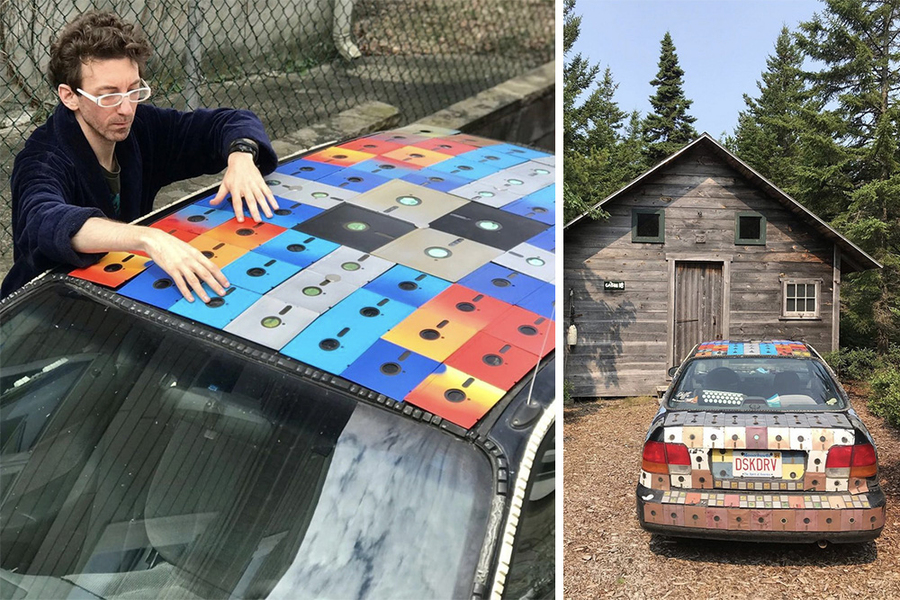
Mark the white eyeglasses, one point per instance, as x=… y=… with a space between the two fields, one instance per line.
x=111 y=100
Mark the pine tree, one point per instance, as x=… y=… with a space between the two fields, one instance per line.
x=669 y=127
x=858 y=44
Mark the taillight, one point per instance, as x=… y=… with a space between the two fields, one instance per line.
x=851 y=461
x=657 y=457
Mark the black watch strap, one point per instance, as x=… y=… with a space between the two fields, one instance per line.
x=245 y=145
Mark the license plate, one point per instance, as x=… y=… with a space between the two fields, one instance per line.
x=756 y=464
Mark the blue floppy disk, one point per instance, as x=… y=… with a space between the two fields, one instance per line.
x=546 y=240
x=291 y=212
x=297 y=248
x=541 y=301
x=330 y=344
x=308 y=169
x=531 y=260
x=435 y=180
x=153 y=286
x=533 y=208
x=220 y=310
x=383 y=167
x=546 y=196
x=525 y=153
x=390 y=370
x=367 y=310
x=465 y=169
x=497 y=156
x=407 y=285
x=313 y=290
x=501 y=283
x=258 y=273
x=271 y=322
x=353 y=180
x=352 y=266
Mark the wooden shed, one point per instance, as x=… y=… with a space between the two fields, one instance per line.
x=700 y=247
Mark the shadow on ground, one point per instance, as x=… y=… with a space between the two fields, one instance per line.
x=768 y=554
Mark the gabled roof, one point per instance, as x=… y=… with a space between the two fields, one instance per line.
x=854 y=258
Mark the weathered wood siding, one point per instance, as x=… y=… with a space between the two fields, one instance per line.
x=624 y=337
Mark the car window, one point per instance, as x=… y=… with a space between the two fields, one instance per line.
x=140 y=462
x=531 y=568
x=754 y=384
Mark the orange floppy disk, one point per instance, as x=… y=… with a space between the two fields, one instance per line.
x=430 y=334
x=455 y=396
x=219 y=252
x=248 y=234
x=339 y=156
x=114 y=269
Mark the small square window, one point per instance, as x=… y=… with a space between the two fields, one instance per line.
x=648 y=225
x=801 y=299
x=750 y=229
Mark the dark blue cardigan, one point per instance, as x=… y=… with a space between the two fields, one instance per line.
x=57 y=182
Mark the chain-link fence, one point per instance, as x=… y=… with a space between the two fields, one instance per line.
x=293 y=63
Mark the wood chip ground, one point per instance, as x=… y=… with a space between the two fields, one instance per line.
x=607 y=555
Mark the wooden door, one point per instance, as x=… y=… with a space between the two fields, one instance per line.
x=698 y=305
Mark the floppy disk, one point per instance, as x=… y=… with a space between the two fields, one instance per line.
x=472 y=140
x=258 y=273
x=544 y=159
x=367 y=310
x=531 y=260
x=407 y=202
x=352 y=180
x=522 y=328
x=516 y=182
x=425 y=131
x=384 y=167
x=357 y=227
x=438 y=253
x=312 y=291
x=542 y=301
x=444 y=145
x=459 y=166
x=398 y=137
x=531 y=208
x=472 y=309
x=220 y=310
x=271 y=322
x=307 y=169
x=455 y=396
x=337 y=155
x=181 y=234
x=351 y=266
x=533 y=174
x=483 y=192
x=430 y=334
x=500 y=282
x=522 y=152
x=290 y=213
x=487 y=225
x=297 y=248
x=153 y=286
x=311 y=193
x=248 y=234
x=390 y=370
x=497 y=156
x=415 y=157
x=371 y=145
x=545 y=196
x=219 y=252
x=196 y=219
x=407 y=285
x=435 y=180
x=545 y=240
x=114 y=269
x=329 y=344
x=493 y=361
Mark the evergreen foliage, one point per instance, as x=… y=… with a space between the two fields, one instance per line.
x=669 y=127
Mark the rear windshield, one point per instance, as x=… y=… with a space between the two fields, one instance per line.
x=137 y=462
x=754 y=384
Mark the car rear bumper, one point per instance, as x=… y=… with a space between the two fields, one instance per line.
x=762 y=517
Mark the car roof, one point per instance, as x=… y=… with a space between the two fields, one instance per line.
x=445 y=239
x=756 y=349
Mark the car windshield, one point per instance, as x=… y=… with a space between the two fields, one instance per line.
x=139 y=462
x=755 y=384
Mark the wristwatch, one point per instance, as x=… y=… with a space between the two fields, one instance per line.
x=245 y=145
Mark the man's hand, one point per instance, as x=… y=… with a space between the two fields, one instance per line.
x=186 y=265
x=245 y=184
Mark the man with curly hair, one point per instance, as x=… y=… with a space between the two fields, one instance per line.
x=102 y=156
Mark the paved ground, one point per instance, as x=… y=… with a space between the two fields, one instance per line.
x=607 y=555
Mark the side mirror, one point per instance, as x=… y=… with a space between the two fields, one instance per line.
x=672 y=371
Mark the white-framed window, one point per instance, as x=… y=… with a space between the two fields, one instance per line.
x=801 y=298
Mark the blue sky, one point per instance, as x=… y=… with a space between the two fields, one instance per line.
x=722 y=45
